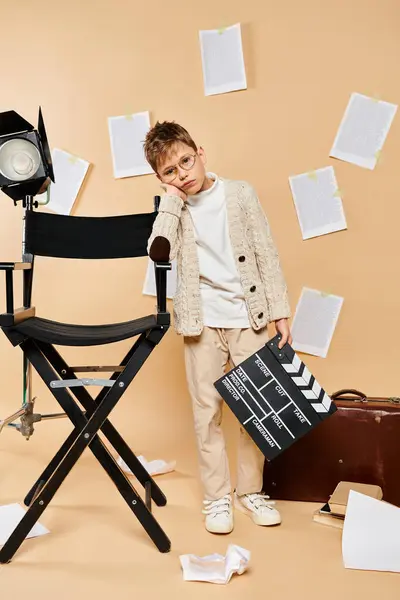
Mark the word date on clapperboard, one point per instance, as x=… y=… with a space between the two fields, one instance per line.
x=275 y=397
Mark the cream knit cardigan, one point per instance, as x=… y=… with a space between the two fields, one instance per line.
x=254 y=251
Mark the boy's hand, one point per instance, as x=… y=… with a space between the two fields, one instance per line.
x=171 y=190
x=282 y=327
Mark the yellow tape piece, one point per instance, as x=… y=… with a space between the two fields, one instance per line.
x=325 y=294
x=221 y=30
x=313 y=175
x=378 y=156
x=129 y=117
x=337 y=194
x=73 y=159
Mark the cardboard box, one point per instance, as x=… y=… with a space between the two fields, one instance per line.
x=338 y=500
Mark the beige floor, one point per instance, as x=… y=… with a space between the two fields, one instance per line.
x=97 y=549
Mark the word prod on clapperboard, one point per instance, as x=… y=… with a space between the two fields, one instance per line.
x=275 y=397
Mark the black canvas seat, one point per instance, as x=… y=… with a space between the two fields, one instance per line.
x=65 y=334
x=80 y=238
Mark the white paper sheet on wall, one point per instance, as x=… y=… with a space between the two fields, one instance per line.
x=149 y=287
x=315 y=321
x=69 y=173
x=363 y=131
x=318 y=203
x=222 y=59
x=371 y=534
x=127 y=135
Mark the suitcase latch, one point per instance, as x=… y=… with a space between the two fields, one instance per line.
x=394 y=400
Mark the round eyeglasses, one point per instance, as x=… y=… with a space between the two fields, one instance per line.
x=186 y=163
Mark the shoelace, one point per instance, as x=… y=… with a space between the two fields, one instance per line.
x=260 y=501
x=216 y=507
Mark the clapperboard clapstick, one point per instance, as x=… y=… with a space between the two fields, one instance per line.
x=275 y=397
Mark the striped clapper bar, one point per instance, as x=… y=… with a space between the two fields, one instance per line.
x=275 y=397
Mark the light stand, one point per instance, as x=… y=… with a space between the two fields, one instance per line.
x=25 y=170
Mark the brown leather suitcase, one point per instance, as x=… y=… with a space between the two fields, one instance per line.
x=360 y=442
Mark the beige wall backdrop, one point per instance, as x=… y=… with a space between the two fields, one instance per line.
x=86 y=61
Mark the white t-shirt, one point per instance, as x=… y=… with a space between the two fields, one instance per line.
x=220 y=288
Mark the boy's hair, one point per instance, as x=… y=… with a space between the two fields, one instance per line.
x=160 y=139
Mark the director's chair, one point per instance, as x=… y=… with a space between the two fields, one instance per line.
x=65 y=237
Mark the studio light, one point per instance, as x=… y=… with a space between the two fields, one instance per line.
x=25 y=159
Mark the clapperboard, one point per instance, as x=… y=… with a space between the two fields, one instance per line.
x=275 y=397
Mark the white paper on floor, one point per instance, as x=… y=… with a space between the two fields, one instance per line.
x=371 y=534
x=215 y=568
x=10 y=516
x=154 y=467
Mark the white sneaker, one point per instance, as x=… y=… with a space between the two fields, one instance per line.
x=219 y=515
x=259 y=508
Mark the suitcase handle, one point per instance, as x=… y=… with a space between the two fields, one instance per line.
x=340 y=393
x=362 y=397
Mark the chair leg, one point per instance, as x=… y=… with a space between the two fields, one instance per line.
x=51 y=467
x=87 y=437
x=44 y=497
x=120 y=446
x=115 y=439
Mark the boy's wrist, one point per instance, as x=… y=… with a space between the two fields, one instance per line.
x=171 y=204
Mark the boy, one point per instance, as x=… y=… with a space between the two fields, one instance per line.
x=230 y=286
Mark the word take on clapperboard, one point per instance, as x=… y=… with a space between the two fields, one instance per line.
x=275 y=397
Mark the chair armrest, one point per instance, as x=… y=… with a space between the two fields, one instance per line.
x=9 y=268
x=15 y=266
x=19 y=315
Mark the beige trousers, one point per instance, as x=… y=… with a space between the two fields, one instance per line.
x=206 y=358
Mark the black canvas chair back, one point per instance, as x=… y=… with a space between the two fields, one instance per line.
x=86 y=238
x=62 y=236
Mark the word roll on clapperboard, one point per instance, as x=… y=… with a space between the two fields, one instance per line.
x=275 y=397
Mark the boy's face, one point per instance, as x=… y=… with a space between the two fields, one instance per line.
x=183 y=168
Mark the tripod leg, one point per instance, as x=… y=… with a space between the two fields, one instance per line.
x=12 y=418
